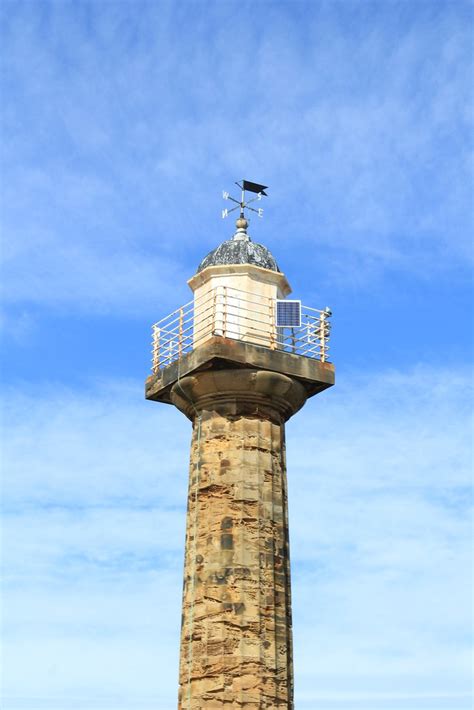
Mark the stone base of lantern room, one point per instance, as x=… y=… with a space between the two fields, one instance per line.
x=219 y=353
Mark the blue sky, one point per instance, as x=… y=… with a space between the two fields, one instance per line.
x=122 y=123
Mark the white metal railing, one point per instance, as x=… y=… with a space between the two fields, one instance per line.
x=232 y=313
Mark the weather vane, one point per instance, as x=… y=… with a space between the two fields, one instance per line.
x=243 y=204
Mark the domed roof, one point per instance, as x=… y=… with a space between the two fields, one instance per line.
x=240 y=250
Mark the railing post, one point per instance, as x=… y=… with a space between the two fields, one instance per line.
x=273 y=333
x=214 y=313
x=224 y=312
x=180 y=333
x=156 y=349
x=322 y=336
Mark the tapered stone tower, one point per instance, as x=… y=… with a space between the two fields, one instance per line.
x=238 y=360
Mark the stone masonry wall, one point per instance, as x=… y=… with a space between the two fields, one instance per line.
x=236 y=639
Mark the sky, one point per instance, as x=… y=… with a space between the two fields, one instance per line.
x=122 y=122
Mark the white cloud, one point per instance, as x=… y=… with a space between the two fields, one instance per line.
x=94 y=529
x=116 y=181
x=381 y=582
x=55 y=438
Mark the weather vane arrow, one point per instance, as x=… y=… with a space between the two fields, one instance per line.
x=243 y=204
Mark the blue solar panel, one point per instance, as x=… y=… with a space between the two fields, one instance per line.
x=288 y=314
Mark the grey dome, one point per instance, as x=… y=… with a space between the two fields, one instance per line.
x=240 y=251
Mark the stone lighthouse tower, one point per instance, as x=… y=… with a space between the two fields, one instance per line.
x=238 y=360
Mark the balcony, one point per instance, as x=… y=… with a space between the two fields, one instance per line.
x=231 y=313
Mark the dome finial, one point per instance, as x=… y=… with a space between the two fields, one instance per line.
x=241 y=223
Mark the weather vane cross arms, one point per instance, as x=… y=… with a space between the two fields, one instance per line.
x=243 y=204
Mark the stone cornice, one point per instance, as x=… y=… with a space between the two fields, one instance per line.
x=242 y=392
x=220 y=353
x=260 y=274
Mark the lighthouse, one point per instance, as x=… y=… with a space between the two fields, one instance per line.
x=238 y=360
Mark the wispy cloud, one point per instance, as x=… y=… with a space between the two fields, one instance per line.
x=383 y=533
x=379 y=515
x=121 y=125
